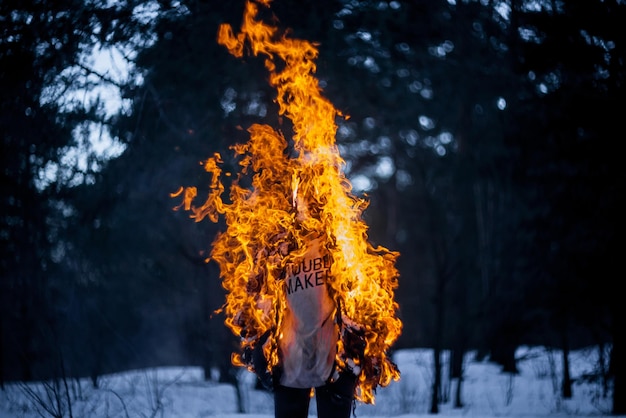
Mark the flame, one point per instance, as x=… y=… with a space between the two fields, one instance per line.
x=282 y=192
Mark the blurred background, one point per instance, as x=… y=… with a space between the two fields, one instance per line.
x=484 y=134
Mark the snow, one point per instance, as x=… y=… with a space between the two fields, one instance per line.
x=181 y=392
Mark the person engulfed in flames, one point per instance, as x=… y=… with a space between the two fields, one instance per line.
x=310 y=298
x=306 y=338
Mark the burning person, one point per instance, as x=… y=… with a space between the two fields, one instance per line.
x=311 y=299
x=307 y=343
x=308 y=335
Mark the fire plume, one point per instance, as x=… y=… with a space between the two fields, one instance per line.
x=284 y=193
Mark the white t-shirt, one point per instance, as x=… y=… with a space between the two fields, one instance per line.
x=309 y=335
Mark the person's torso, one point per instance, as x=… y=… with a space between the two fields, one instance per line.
x=308 y=332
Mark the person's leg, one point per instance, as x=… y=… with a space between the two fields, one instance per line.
x=335 y=400
x=291 y=402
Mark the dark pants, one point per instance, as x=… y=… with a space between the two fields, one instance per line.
x=334 y=400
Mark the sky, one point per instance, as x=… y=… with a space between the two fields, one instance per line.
x=91 y=139
x=181 y=392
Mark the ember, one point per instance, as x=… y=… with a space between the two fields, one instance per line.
x=292 y=189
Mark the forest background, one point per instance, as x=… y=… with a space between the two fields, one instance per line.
x=484 y=134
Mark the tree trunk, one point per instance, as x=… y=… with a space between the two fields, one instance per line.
x=618 y=366
x=456 y=372
x=458 y=403
x=434 y=401
x=603 y=369
x=503 y=348
x=240 y=406
x=439 y=321
x=567 y=380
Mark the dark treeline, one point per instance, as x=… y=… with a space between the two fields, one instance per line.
x=482 y=133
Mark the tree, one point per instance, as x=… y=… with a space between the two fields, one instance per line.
x=574 y=55
x=37 y=41
x=44 y=50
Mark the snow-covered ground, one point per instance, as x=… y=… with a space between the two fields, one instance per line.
x=176 y=392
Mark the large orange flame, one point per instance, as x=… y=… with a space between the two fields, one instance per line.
x=288 y=195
